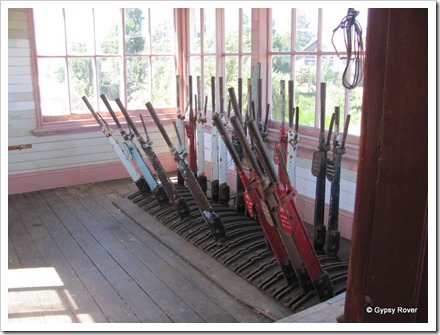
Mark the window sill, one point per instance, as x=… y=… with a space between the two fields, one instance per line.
x=62 y=128
x=82 y=126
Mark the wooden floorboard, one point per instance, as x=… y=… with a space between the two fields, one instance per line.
x=97 y=265
x=135 y=300
x=28 y=301
x=172 y=290
x=209 y=301
x=13 y=260
x=161 y=300
x=97 y=287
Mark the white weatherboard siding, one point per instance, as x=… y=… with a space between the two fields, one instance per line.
x=306 y=185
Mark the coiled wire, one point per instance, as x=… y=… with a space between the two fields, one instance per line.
x=355 y=49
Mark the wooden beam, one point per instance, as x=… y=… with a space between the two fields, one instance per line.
x=390 y=227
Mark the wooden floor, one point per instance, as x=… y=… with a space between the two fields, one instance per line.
x=76 y=258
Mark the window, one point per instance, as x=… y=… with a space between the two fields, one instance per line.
x=220 y=47
x=302 y=50
x=202 y=47
x=237 y=37
x=127 y=53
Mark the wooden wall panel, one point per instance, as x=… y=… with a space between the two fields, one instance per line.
x=390 y=228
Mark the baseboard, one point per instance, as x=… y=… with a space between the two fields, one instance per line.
x=62 y=177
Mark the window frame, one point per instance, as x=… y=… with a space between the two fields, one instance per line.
x=319 y=54
x=89 y=123
x=220 y=53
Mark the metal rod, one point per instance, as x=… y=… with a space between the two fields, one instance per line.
x=235 y=106
x=344 y=137
x=259 y=143
x=322 y=118
x=239 y=131
x=283 y=101
x=228 y=142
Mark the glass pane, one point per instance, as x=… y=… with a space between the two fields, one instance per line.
x=306 y=29
x=81 y=78
x=194 y=26
x=195 y=66
x=362 y=18
x=332 y=69
x=195 y=70
x=79 y=27
x=162 y=30
x=138 y=82
x=107 y=29
x=209 y=34
x=246 y=68
x=109 y=80
x=355 y=110
x=231 y=76
x=331 y=20
x=281 y=29
x=52 y=80
x=164 y=82
x=49 y=34
x=137 y=35
x=246 y=77
x=231 y=30
x=281 y=67
x=247 y=19
x=280 y=71
x=305 y=88
x=209 y=63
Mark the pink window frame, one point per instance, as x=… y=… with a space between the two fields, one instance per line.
x=84 y=125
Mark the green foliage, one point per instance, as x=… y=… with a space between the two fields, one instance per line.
x=81 y=80
x=133 y=26
x=307 y=77
x=281 y=41
x=110 y=46
x=164 y=76
x=306 y=103
x=276 y=97
x=304 y=36
x=138 y=84
x=329 y=74
x=246 y=33
x=109 y=77
x=161 y=39
x=137 y=66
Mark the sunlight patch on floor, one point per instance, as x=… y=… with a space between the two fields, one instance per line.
x=38 y=295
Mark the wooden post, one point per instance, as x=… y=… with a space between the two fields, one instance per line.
x=389 y=243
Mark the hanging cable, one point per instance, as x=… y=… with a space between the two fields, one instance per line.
x=355 y=49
